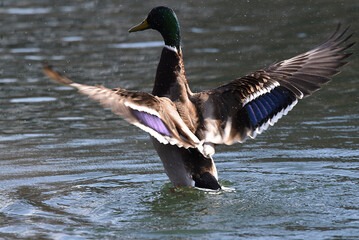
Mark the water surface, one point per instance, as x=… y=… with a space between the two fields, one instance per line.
x=70 y=169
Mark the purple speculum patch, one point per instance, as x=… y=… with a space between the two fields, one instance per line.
x=151 y=121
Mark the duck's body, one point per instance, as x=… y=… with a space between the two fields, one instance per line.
x=186 y=126
x=184 y=167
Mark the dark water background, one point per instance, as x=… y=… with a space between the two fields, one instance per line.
x=70 y=169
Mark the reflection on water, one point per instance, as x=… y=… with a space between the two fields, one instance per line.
x=72 y=39
x=24 y=50
x=25 y=11
x=70 y=169
x=32 y=100
x=138 y=45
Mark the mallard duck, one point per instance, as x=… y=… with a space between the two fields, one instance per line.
x=185 y=127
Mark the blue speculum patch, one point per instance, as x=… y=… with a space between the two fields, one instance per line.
x=151 y=121
x=267 y=105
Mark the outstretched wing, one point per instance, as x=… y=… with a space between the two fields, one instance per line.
x=248 y=105
x=156 y=115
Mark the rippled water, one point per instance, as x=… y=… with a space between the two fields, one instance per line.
x=70 y=169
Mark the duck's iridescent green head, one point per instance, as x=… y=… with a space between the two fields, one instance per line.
x=164 y=20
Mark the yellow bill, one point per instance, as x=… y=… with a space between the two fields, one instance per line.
x=140 y=27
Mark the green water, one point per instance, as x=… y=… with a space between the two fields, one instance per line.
x=70 y=169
